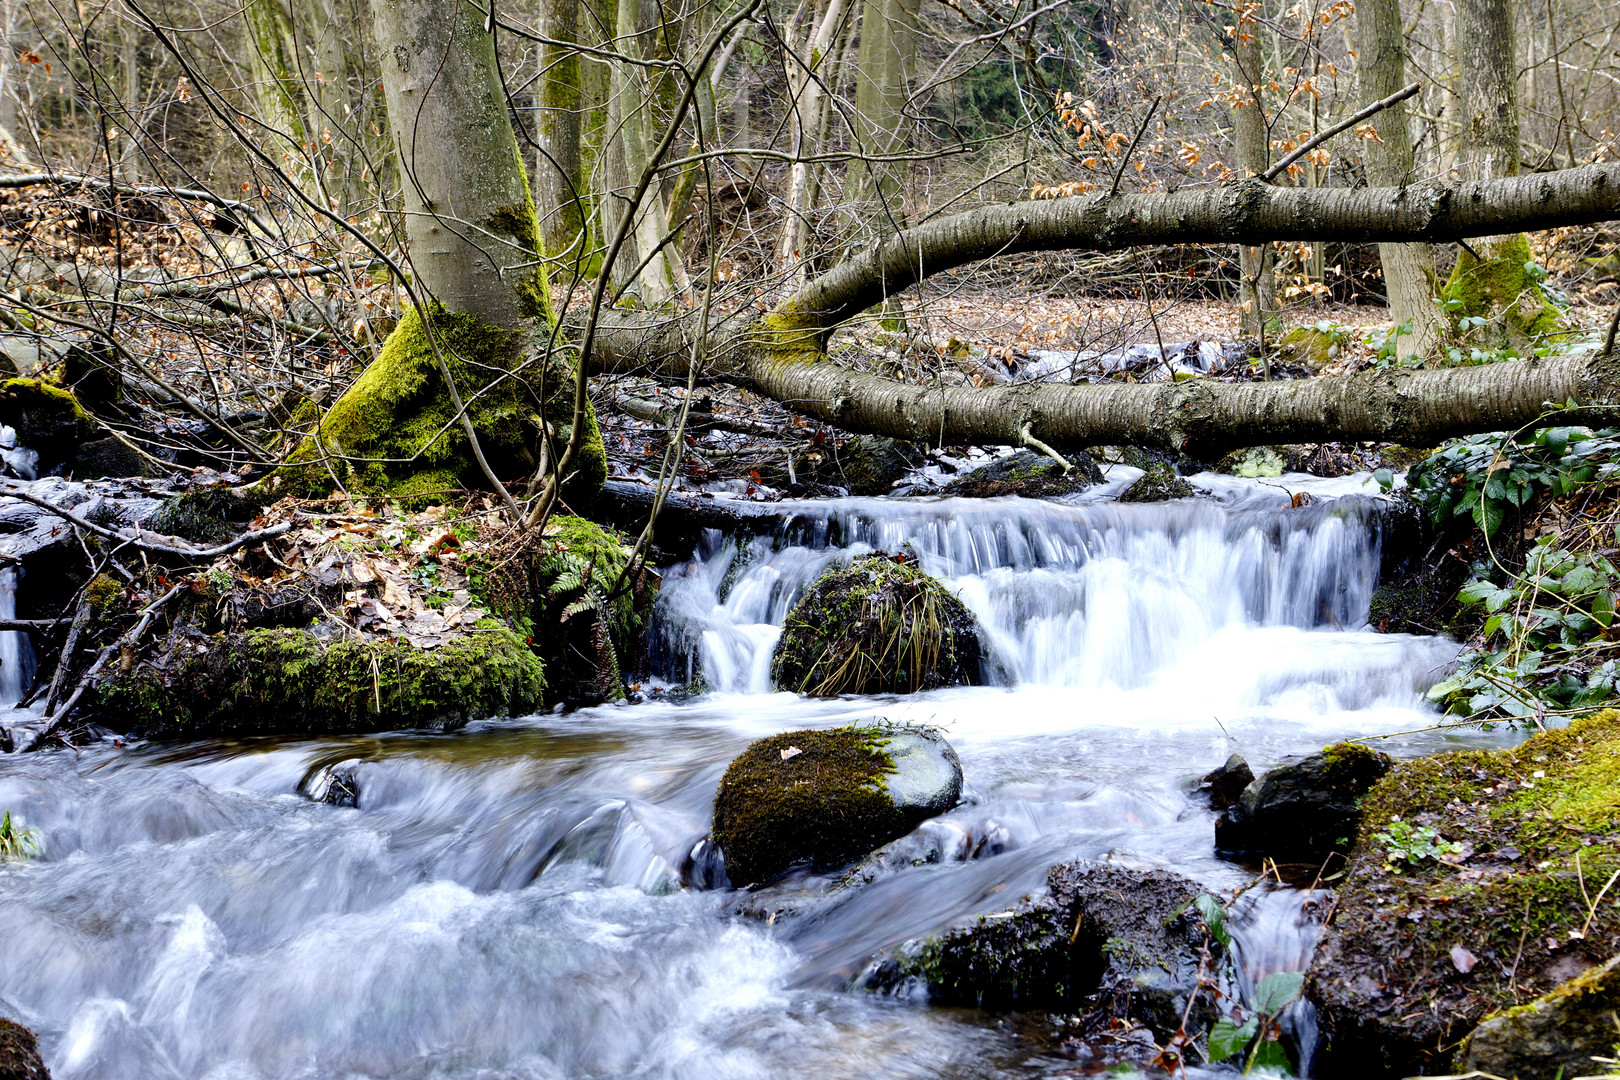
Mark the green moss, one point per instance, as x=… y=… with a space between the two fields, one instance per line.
x=399 y=431
x=878 y=625
x=1351 y=757
x=205 y=517
x=270 y=681
x=1501 y=285
x=827 y=804
x=1158 y=483
x=1540 y=827
x=1310 y=347
x=792 y=336
x=44 y=400
x=102 y=593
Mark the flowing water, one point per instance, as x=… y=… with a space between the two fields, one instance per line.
x=523 y=898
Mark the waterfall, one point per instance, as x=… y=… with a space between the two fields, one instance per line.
x=16 y=653
x=1092 y=594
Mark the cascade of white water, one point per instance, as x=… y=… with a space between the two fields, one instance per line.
x=16 y=653
x=1096 y=594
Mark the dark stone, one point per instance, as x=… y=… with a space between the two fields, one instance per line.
x=826 y=798
x=337 y=785
x=207 y=515
x=1558 y=1034
x=872 y=465
x=1303 y=810
x=19 y=1053
x=1159 y=483
x=1105 y=941
x=1028 y=475
x=107 y=458
x=1225 y=785
x=879 y=625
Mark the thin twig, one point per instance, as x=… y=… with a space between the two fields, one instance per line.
x=126 y=640
x=1311 y=144
x=1119 y=172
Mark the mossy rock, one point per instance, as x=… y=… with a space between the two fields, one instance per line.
x=879 y=625
x=207 y=516
x=1255 y=461
x=19 y=1053
x=47 y=418
x=108 y=458
x=1302 y=809
x=1418 y=954
x=1501 y=286
x=1158 y=483
x=826 y=798
x=1309 y=347
x=396 y=431
x=1028 y=475
x=1558 y=1034
x=285 y=681
x=1103 y=940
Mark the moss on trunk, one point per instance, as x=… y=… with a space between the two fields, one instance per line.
x=396 y=431
x=282 y=681
x=1502 y=284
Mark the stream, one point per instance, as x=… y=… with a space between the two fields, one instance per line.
x=521 y=899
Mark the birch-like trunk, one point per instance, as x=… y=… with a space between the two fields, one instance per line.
x=807 y=70
x=1409 y=276
x=1255 y=262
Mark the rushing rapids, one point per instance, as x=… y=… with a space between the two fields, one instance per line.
x=527 y=898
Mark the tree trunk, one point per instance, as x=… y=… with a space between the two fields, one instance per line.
x=1409 y=276
x=1256 y=263
x=1496 y=283
x=560 y=181
x=807 y=70
x=888 y=55
x=782 y=354
x=474 y=247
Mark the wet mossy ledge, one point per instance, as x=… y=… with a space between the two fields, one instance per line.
x=293 y=682
x=396 y=431
x=825 y=798
x=878 y=625
x=1473 y=888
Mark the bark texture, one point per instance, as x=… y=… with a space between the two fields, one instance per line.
x=1409 y=277
x=1256 y=262
x=560 y=183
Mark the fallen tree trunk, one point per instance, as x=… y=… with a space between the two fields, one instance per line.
x=781 y=353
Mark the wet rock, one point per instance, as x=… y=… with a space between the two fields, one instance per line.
x=19 y=1053
x=1029 y=475
x=1468 y=892
x=1225 y=785
x=1302 y=810
x=826 y=798
x=1104 y=940
x=107 y=458
x=47 y=419
x=207 y=515
x=337 y=784
x=1159 y=483
x=879 y=625
x=1558 y=1034
x=1255 y=461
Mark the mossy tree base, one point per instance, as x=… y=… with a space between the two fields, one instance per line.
x=1501 y=285
x=1418 y=953
x=877 y=626
x=396 y=431
x=284 y=681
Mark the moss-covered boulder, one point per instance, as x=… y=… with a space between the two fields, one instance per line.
x=826 y=798
x=1558 y=1034
x=19 y=1053
x=396 y=430
x=1158 y=483
x=286 y=681
x=1311 y=346
x=1104 y=940
x=1302 y=809
x=1471 y=889
x=1029 y=475
x=879 y=625
x=205 y=516
x=47 y=418
x=1502 y=285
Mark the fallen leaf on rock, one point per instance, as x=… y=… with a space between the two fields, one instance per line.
x=1462 y=959
x=791 y=752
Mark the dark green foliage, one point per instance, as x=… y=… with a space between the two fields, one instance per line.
x=283 y=681
x=1491 y=478
x=827 y=804
x=879 y=625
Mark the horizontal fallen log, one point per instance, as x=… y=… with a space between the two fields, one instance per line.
x=140 y=538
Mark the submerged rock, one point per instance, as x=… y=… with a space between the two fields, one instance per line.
x=1029 y=475
x=879 y=625
x=1108 y=941
x=1158 y=483
x=826 y=798
x=1302 y=810
x=1469 y=890
x=19 y=1053
x=337 y=784
x=283 y=681
x=1558 y=1034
